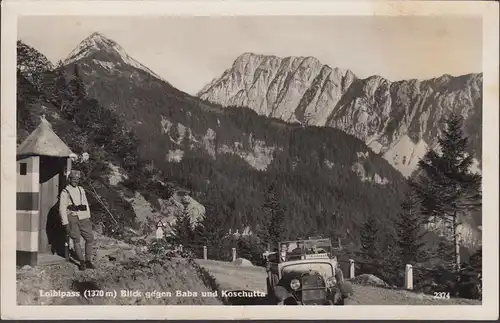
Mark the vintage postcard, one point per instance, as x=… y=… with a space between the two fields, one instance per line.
x=223 y=159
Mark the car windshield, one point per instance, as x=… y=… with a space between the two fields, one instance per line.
x=320 y=246
x=290 y=246
x=305 y=249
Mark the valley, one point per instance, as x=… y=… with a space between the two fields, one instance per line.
x=333 y=161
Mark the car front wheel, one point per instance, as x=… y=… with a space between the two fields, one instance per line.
x=338 y=299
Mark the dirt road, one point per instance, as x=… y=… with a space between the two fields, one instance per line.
x=233 y=277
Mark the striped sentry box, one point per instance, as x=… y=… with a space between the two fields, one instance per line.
x=27 y=210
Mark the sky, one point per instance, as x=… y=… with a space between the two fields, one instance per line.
x=189 y=52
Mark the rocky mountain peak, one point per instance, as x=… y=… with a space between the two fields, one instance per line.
x=399 y=120
x=103 y=49
x=274 y=86
x=95 y=42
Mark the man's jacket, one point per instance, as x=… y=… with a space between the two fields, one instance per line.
x=71 y=197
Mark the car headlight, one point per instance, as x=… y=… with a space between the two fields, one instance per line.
x=295 y=284
x=330 y=282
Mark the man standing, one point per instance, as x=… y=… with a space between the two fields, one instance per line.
x=75 y=215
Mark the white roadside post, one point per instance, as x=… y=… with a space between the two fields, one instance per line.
x=351 y=269
x=409 y=277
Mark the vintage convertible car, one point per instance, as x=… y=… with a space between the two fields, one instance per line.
x=305 y=272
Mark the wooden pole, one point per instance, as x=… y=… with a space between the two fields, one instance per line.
x=205 y=252
x=234 y=254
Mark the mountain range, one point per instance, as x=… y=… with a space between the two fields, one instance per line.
x=248 y=129
x=398 y=120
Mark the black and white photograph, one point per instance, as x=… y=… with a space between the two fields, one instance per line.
x=327 y=161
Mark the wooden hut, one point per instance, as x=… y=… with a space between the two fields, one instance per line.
x=42 y=166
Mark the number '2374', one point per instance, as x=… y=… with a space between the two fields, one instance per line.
x=441 y=295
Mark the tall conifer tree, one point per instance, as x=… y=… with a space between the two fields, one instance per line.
x=446 y=186
x=409 y=230
x=369 y=238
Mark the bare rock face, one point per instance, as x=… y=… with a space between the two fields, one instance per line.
x=167 y=214
x=255 y=152
x=277 y=87
x=399 y=120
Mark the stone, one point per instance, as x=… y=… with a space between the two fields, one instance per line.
x=242 y=262
x=369 y=279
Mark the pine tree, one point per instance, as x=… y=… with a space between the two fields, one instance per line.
x=476 y=261
x=32 y=65
x=274 y=228
x=409 y=231
x=369 y=238
x=25 y=115
x=77 y=86
x=183 y=232
x=210 y=232
x=392 y=269
x=443 y=252
x=447 y=188
x=62 y=92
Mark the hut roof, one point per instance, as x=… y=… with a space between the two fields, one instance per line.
x=43 y=142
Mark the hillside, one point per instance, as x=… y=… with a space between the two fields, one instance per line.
x=398 y=120
x=328 y=179
x=118 y=201
x=120 y=266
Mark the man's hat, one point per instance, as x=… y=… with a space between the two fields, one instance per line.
x=74 y=173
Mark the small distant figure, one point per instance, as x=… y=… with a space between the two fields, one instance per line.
x=75 y=215
x=160 y=233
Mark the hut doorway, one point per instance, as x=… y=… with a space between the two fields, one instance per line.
x=52 y=181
